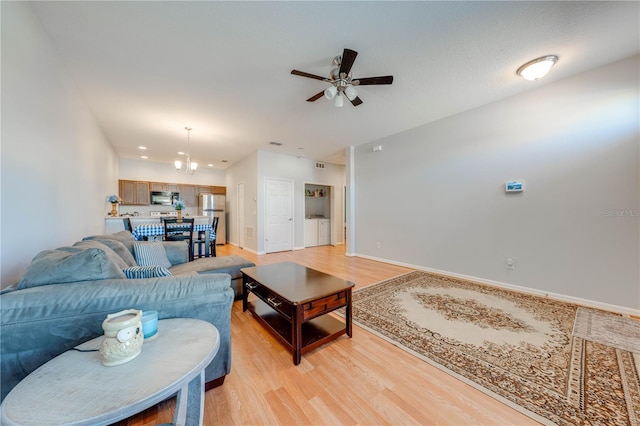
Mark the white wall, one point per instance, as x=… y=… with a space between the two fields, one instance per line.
x=254 y=169
x=244 y=171
x=57 y=165
x=434 y=196
x=165 y=172
x=301 y=171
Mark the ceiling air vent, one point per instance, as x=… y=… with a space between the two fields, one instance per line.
x=319 y=165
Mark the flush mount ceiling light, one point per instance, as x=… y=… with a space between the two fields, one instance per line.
x=538 y=68
x=188 y=167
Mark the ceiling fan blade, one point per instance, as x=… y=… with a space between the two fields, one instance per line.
x=356 y=101
x=348 y=58
x=316 y=97
x=387 y=79
x=306 y=74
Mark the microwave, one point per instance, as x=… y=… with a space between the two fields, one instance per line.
x=164 y=198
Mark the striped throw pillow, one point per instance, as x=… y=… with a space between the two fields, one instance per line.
x=146 y=272
x=150 y=254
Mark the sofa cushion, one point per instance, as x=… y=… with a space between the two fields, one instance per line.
x=99 y=244
x=151 y=254
x=124 y=237
x=70 y=264
x=119 y=248
x=219 y=265
x=146 y=272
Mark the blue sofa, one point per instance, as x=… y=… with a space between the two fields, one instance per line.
x=66 y=293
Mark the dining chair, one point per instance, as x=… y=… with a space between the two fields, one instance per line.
x=179 y=230
x=127 y=224
x=201 y=240
x=214 y=232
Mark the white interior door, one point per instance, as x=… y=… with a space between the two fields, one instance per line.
x=279 y=215
x=241 y=230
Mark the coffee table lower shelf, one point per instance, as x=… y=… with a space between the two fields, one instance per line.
x=315 y=332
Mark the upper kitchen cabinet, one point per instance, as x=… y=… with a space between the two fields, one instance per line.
x=163 y=186
x=134 y=193
x=188 y=194
x=216 y=190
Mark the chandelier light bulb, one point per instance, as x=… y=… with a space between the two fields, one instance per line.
x=339 y=100
x=178 y=164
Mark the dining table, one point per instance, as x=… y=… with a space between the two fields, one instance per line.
x=151 y=231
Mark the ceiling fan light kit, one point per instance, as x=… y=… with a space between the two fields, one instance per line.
x=342 y=82
x=330 y=92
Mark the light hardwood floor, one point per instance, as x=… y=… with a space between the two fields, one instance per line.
x=363 y=380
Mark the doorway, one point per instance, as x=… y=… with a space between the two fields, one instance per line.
x=278 y=215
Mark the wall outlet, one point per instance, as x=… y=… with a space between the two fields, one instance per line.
x=378 y=245
x=511 y=263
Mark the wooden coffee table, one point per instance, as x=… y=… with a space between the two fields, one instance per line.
x=292 y=303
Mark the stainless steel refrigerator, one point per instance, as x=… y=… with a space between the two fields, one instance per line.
x=214 y=205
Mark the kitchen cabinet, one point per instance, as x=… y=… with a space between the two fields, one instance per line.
x=136 y=193
x=324 y=232
x=133 y=193
x=317 y=232
x=310 y=232
x=219 y=190
x=163 y=186
x=189 y=195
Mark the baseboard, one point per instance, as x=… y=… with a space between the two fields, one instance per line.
x=561 y=297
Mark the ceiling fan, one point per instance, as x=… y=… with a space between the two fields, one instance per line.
x=341 y=80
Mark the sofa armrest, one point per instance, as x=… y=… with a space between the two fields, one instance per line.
x=39 y=323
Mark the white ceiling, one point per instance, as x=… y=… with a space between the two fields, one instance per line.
x=148 y=69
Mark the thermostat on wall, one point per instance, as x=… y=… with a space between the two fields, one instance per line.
x=514 y=186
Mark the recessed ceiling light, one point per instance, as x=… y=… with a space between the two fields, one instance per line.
x=210 y=165
x=144 y=157
x=180 y=153
x=224 y=161
x=300 y=147
x=142 y=147
x=275 y=143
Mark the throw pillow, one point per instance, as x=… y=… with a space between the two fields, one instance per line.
x=150 y=254
x=146 y=272
x=68 y=265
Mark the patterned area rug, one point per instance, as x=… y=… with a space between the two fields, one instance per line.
x=608 y=329
x=513 y=346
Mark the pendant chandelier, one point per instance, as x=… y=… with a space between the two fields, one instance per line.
x=188 y=167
